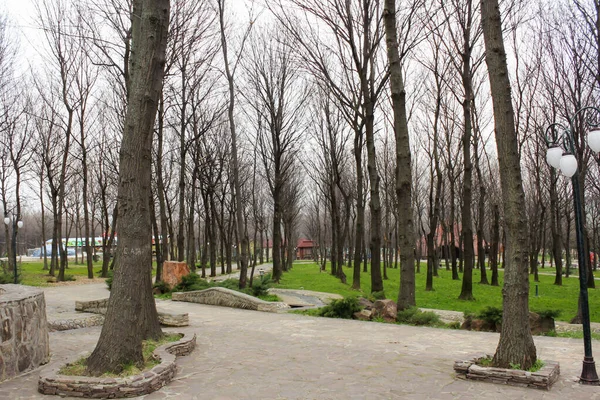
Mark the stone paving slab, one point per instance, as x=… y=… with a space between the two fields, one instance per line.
x=252 y=355
x=304 y=298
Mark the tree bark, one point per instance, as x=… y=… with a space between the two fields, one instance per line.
x=494 y=247
x=131 y=316
x=516 y=343
x=406 y=296
x=466 y=292
x=235 y=168
x=555 y=229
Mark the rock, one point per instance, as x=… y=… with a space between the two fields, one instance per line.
x=365 y=303
x=363 y=315
x=385 y=309
x=173 y=271
x=479 y=325
x=540 y=325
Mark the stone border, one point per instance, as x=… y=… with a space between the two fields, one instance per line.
x=100 y=306
x=75 y=323
x=104 y=388
x=218 y=296
x=542 y=379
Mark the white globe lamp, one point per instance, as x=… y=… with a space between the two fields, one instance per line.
x=568 y=165
x=593 y=139
x=553 y=156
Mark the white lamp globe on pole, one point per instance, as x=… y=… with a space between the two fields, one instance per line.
x=20 y=224
x=568 y=165
x=593 y=139
x=6 y=220
x=553 y=156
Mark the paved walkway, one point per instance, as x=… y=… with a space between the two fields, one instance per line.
x=254 y=355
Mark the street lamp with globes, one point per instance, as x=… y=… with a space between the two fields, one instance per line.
x=561 y=155
x=15 y=224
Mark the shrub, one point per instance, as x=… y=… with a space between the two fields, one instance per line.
x=491 y=315
x=189 y=280
x=162 y=287
x=547 y=314
x=6 y=278
x=377 y=296
x=70 y=278
x=454 y=325
x=343 y=308
x=233 y=284
x=414 y=316
x=261 y=286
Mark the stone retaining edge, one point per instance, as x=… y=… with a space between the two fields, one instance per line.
x=75 y=323
x=542 y=379
x=100 y=306
x=52 y=383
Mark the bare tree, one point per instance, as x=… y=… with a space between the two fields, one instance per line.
x=281 y=96
x=516 y=343
x=131 y=315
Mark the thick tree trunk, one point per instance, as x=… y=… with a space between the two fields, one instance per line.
x=516 y=343
x=406 y=296
x=131 y=315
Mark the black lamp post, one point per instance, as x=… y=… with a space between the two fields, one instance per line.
x=15 y=223
x=559 y=139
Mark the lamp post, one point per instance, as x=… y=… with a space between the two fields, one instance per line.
x=15 y=223
x=561 y=154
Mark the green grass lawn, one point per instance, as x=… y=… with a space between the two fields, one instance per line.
x=446 y=291
x=32 y=273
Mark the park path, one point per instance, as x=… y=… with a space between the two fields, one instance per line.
x=245 y=354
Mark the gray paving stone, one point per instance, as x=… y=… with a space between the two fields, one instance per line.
x=253 y=355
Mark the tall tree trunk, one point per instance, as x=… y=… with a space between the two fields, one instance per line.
x=555 y=229
x=235 y=168
x=86 y=211
x=516 y=343
x=494 y=247
x=454 y=256
x=131 y=315
x=406 y=296
x=160 y=191
x=360 y=211
x=466 y=292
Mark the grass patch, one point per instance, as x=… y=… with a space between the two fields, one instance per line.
x=313 y=312
x=487 y=362
x=572 y=334
x=269 y=297
x=32 y=273
x=79 y=367
x=445 y=296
